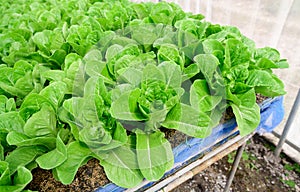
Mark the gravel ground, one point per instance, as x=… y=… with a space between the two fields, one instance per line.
x=259 y=171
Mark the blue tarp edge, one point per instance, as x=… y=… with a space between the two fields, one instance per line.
x=272 y=113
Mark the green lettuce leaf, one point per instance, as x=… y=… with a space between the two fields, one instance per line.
x=188 y=120
x=154 y=154
x=55 y=157
x=126 y=108
x=20 y=180
x=121 y=167
x=77 y=155
x=247 y=113
x=23 y=156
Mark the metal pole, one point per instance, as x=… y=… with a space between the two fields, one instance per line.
x=234 y=166
x=288 y=125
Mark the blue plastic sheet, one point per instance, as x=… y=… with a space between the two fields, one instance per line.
x=272 y=113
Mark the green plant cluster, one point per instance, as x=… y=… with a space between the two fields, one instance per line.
x=98 y=79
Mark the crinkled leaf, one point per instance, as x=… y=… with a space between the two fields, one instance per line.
x=7 y=105
x=162 y=13
x=81 y=38
x=268 y=53
x=21 y=179
x=169 y=52
x=188 y=120
x=190 y=71
x=21 y=87
x=22 y=156
x=264 y=63
x=154 y=154
x=1 y=151
x=42 y=123
x=265 y=83
x=272 y=91
x=119 y=138
x=172 y=74
x=201 y=98
x=55 y=157
x=130 y=75
x=122 y=58
x=247 y=118
x=236 y=53
x=20 y=139
x=152 y=74
x=55 y=93
x=3 y=101
x=95 y=136
x=121 y=167
x=53 y=75
x=77 y=155
x=11 y=121
x=126 y=108
x=93 y=55
x=209 y=66
x=4 y=174
x=32 y=104
x=238 y=73
x=210 y=46
x=247 y=113
x=282 y=63
x=112 y=51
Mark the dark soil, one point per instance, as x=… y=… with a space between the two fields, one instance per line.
x=259 y=171
x=88 y=178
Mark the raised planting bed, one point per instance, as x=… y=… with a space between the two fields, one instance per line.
x=111 y=85
x=194 y=151
x=186 y=151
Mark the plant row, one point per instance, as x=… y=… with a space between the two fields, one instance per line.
x=99 y=79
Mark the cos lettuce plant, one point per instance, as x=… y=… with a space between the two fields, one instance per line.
x=89 y=79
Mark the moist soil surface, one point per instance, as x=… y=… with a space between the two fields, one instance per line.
x=88 y=178
x=259 y=171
